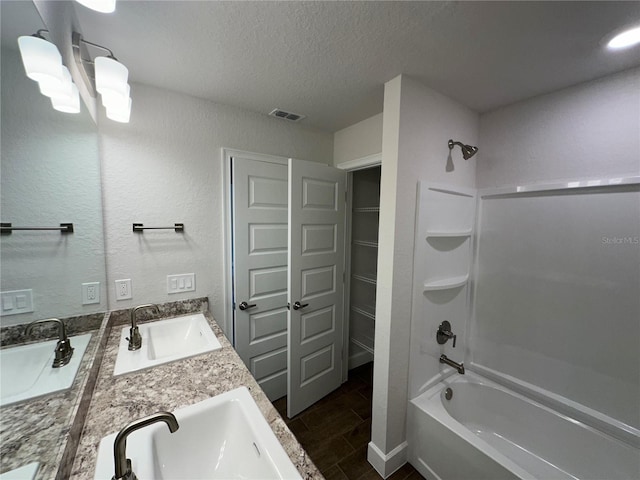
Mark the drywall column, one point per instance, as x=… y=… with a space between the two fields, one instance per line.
x=417 y=123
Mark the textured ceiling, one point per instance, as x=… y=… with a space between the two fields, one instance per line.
x=330 y=60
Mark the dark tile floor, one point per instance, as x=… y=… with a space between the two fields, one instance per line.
x=336 y=430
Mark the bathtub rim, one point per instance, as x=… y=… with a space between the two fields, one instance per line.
x=557 y=403
x=432 y=403
x=564 y=406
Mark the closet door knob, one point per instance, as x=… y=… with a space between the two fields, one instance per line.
x=298 y=305
x=246 y=306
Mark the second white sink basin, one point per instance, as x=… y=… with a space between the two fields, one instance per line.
x=166 y=341
x=223 y=437
x=26 y=371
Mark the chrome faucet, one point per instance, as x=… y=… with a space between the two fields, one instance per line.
x=135 y=340
x=458 y=366
x=122 y=463
x=63 y=351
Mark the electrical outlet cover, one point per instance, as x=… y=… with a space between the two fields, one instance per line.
x=90 y=293
x=123 y=289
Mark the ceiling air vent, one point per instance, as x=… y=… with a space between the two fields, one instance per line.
x=293 y=117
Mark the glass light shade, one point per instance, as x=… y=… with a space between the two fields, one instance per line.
x=69 y=104
x=53 y=88
x=41 y=59
x=121 y=114
x=102 y=6
x=111 y=76
x=115 y=100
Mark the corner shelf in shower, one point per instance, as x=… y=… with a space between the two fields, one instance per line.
x=447 y=283
x=452 y=234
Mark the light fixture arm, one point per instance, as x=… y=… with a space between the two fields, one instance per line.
x=86 y=42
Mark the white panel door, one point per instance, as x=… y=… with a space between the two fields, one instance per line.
x=316 y=280
x=260 y=271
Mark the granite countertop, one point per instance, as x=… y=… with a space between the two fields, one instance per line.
x=43 y=429
x=119 y=400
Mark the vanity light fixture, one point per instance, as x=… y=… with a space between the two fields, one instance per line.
x=102 y=6
x=41 y=58
x=106 y=76
x=43 y=63
x=624 y=39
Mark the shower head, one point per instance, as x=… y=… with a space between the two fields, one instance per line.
x=468 y=151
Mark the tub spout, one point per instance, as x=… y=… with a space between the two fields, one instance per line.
x=458 y=366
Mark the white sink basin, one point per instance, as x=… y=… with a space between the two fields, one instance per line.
x=223 y=437
x=166 y=341
x=26 y=371
x=28 y=472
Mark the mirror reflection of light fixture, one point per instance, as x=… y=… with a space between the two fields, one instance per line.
x=67 y=104
x=41 y=58
x=43 y=63
x=57 y=88
x=106 y=76
x=102 y=6
x=468 y=151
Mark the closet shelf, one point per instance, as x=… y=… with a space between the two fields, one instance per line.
x=365 y=278
x=362 y=345
x=452 y=234
x=366 y=209
x=367 y=311
x=363 y=243
x=447 y=283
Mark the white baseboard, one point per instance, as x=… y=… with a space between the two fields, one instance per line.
x=387 y=464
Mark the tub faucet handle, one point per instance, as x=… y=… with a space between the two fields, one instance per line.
x=444 y=333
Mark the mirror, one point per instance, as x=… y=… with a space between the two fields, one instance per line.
x=50 y=174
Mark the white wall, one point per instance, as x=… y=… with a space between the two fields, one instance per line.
x=586 y=131
x=359 y=140
x=50 y=174
x=417 y=123
x=548 y=283
x=165 y=167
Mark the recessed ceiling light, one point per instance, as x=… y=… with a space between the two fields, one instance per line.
x=624 y=39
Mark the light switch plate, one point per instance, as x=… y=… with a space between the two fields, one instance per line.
x=15 y=302
x=185 y=282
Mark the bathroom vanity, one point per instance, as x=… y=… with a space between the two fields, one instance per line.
x=70 y=425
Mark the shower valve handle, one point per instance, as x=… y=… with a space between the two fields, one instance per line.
x=444 y=333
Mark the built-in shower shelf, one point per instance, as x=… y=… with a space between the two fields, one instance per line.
x=447 y=283
x=451 y=234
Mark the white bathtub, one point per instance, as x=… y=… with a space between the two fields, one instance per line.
x=489 y=432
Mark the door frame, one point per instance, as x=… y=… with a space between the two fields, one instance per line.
x=227 y=290
x=350 y=166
